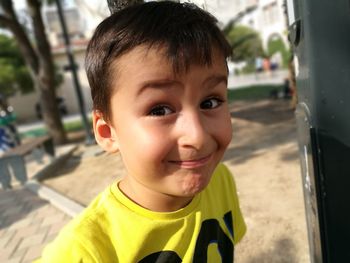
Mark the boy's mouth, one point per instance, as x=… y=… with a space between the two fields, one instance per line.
x=193 y=163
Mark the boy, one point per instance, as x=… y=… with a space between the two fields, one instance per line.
x=158 y=78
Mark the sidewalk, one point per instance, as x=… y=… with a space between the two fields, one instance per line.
x=27 y=221
x=27 y=224
x=272 y=78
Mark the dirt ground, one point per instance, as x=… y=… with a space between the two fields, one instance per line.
x=264 y=159
x=263 y=156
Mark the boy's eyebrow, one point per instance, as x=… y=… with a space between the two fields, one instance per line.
x=215 y=79
x=157 y=84
x=210 y=82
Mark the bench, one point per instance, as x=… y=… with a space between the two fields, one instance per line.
x=15 y=158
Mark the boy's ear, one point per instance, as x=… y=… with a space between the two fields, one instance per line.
x=104 y=133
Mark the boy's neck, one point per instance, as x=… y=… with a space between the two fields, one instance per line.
x=152 y=200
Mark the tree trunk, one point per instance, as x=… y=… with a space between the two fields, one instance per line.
x=10 y=21
x=293 y=84
x=39 y=62
x=291 y=68
x=116 y=5
x=46 y=76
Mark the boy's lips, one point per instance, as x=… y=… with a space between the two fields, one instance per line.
x=193 y=163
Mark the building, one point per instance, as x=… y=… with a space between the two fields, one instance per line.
x=269 y=19
x=265 y=16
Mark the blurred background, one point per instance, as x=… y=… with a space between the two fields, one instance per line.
x=256 y=30
x=263 y=154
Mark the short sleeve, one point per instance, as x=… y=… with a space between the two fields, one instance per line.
x=77 y=242
x=66 y=248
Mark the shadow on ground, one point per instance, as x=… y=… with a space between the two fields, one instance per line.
x=274 y=111
x=259 y=126
x=16 y=204
x=284 y=247
x=65 y=167
x=89 y=170
x=74 y=161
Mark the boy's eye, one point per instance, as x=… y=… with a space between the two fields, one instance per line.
x=211 y=103
x=160 y=110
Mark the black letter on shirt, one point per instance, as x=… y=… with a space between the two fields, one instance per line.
x=162 y=257
x=211 y=232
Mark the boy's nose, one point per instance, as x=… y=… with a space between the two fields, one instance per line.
x=193 y=132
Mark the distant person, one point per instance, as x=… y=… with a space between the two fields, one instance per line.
x=266 y=66
x=287 y=92
x=158 y=78
x=276 y=61
x=258 y=64
x=9 y=137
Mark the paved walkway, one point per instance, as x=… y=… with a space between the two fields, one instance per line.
x=27 y=224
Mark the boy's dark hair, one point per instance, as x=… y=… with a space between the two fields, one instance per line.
x=187 y=32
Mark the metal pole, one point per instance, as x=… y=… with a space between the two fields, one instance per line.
x=89 y=138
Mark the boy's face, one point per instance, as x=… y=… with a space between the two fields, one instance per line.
x=171 y=130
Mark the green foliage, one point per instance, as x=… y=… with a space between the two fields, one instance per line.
x=50 y=2
x=249 y=68
x=275 y=45
x=14 y=75
x=245 y=42
x=255 y=92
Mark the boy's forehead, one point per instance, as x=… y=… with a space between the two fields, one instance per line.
x=143 y=53
x=144 y=58
x=146 y=66
x=156 y=54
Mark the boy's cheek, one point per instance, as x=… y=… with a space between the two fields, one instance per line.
x=156 y=144
x=224 y=131
x=227 y=137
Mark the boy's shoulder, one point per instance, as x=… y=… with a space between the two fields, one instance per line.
x=94 y=216
x=76 y=236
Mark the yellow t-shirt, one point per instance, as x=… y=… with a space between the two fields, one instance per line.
x=115 y=229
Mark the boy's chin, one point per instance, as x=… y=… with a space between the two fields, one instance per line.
x=194 y=188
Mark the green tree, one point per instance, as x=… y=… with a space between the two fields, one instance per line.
x=37 y=55
x=245 y=42
x=14 y=75
x=276 y=44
